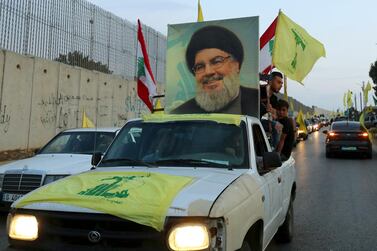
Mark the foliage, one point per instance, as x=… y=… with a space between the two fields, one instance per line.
x=373 y=75
x=76 y=58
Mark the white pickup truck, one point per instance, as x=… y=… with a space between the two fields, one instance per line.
x=239 y=196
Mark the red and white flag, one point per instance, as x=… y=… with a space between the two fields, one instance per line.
x=146 y=85
x=266 y=45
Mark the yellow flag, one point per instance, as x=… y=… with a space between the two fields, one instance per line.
x=86 y=122
x=301 y=122
x=295 y=51
x=141 y=197
x=365 y=92
x=349 y=99
x=158 y=107
x=200 y=13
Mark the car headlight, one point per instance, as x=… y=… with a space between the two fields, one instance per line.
x=189 y=237
x=22 y=227
x=1 y=181
x=52 y=178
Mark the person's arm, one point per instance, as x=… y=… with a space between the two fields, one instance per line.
x=281 y=142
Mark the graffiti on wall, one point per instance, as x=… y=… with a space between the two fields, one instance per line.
x=5 y=118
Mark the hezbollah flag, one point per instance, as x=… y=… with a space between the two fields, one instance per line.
x=295 y=51
x=349 y=99
x=300 y=120
x=86 y=122
x=141 y=197
x=146 y=85
x=365 y=93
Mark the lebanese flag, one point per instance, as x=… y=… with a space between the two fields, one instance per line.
x=266 y=45
x=146 y=85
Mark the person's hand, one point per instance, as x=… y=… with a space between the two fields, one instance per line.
x=269 y=108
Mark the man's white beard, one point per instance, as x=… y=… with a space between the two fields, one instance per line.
x=217 y=99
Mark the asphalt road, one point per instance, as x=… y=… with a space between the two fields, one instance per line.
x=335 y=206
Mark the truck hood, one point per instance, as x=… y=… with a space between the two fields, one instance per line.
x=51 y=164
x=196 y=199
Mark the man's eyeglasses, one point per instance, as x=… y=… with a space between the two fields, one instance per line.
x=215 y=63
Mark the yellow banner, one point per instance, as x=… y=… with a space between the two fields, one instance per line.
x=366 y=90
x=300 y=120
x=349 y=99
x=295 y=51
x=217 y=117
x=140 y=197
x=86 y=122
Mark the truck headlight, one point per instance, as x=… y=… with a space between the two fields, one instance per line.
x=189 y=237
x=22 y=227
x=52 y=178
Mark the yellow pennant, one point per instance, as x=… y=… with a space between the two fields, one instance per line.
x=200 y=13
x=141 y=197
x=366 y=90
x=86 y=122
x=300 y=120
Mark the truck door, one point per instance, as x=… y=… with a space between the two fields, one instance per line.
x=273 y=180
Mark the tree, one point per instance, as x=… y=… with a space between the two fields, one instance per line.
x=373 y=75
x=76 y=58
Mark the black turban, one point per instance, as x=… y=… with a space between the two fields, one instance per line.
x=213 y=37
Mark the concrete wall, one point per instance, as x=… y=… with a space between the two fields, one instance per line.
x=39 y=98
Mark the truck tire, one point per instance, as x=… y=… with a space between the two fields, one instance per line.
x=285 y=231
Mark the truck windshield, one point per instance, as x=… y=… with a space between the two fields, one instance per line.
x=179 y=143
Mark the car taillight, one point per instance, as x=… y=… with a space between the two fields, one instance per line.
x=364 y=135
x=332 y=134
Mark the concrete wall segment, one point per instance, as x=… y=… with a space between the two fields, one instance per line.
x=68 y=97
x=88 y=95
x=44 y=102
x=16 y=99
x=119 y=115
x=105 y=100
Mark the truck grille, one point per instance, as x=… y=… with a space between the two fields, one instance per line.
x=21 y=183
x=74 y=228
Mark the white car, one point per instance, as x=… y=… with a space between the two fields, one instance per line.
x=69 y=152
x=240 y=196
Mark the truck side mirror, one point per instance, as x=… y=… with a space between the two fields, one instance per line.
x=96 y=158
x=271 y=160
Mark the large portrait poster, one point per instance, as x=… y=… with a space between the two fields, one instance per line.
x=212 y=67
